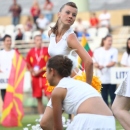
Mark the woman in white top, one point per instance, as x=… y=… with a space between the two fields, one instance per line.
x=104 y=58
x=76 y=97
x=125 y=61
x=62 y=41
x=121 y=105
x=63 y=38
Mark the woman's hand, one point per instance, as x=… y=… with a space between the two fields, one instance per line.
x=101 y=67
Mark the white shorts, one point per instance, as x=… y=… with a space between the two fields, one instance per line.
x=124 y=87
x=92 y=122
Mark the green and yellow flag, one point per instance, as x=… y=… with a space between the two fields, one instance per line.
x=84 y=43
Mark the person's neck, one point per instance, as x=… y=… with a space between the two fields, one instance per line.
x=62 y=29
x=57 y=80
x=38 y=47
x=7 y=49
x=106 y=48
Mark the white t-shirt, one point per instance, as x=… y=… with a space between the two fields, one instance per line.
x=42 y=23
x=125 y=59
x=105 y=19
x=104 y=57
x=6 y=58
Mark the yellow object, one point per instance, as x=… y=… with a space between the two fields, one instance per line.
x=44 y=68
x=96 y=83
x=49 y=88
x=31 y=59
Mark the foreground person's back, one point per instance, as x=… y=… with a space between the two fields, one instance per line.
x=87 y=104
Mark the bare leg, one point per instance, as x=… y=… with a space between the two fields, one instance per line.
x=40 y=106
x=47 y=120
x=120 y=108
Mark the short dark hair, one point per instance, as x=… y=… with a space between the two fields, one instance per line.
x=62 y=64
x=6 y=36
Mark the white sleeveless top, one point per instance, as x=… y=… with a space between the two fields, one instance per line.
x=60 y=48
x=77 y=93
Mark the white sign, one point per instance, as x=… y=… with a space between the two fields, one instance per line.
x=118 y=73
x=4 y=81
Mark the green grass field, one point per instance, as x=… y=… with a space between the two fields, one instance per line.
x=30 y=119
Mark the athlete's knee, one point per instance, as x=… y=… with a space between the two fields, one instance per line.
x=45 y=125
x=116 y=110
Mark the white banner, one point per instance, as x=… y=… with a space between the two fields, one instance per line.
x=118 y=73
x=4 y=81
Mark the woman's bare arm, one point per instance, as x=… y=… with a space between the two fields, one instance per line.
x=83 y=54
x=57 y=97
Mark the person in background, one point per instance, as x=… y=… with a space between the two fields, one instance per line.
x=85 y=33
x=104 y=19
x=35 y=11
x=36 y=61
x=47 y=10
x=125 y=60
x=44 y=37
x=28 y=26
x=6 y=57
x=42 y=22
x=19 y=35
x=104 y=58
x=79 y=25
x=93 y=20
x=16 y=11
